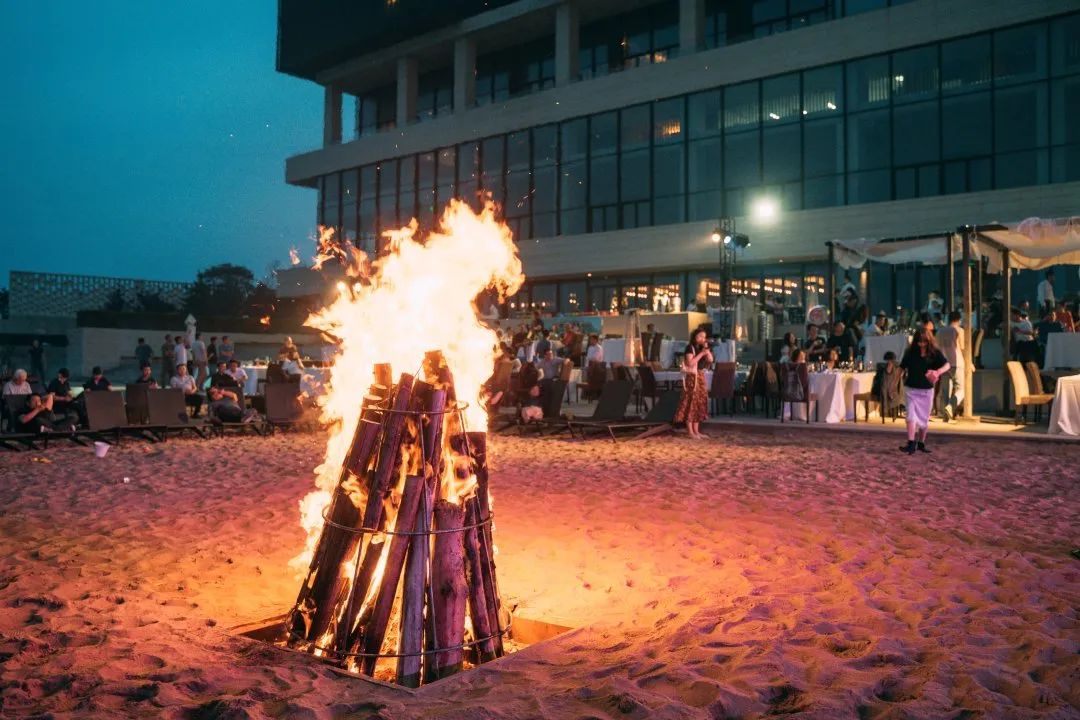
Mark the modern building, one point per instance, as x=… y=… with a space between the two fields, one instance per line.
x=617 y=135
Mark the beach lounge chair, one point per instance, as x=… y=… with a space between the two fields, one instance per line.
x=220 y=427
x=168 y=412
x=611 y=406
x=14 y=438
x=107 y=418
x=283 y=408
x=658 y=420
x=553 y=392
x=138 y=408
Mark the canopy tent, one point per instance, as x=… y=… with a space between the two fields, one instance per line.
x=1032 y=244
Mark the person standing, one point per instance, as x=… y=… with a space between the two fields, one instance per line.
x=1044 y=293
x=950 y=340
x=199 y=357
x=694 y=403
x=923 y=364
x=181 y=353
x=143 y=353
x=226 y=350
x=168 y=361
x=595 y=351
x=37 y=360
x=212 y=353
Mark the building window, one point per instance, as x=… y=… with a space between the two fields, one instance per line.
x=640 y=37
x=435 y=94
x=516 y=71
x=376 y=110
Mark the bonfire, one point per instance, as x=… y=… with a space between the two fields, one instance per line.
x=399 y=565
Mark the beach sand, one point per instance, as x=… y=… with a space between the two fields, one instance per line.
x=747 y=576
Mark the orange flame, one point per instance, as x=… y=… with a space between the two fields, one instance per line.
x=264 y=320
x=418 y=297
x=294 y=256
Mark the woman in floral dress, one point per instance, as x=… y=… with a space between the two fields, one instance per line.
x=694 y=403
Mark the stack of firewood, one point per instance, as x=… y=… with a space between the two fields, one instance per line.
x=406 y=550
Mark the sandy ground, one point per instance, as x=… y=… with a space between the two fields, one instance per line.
x=803 y=575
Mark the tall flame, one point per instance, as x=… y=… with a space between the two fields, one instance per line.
x=418 y=297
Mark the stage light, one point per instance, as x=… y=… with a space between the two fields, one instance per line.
x=741 y=240
x=764 y=210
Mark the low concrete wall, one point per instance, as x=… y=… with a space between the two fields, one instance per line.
x=107 y=346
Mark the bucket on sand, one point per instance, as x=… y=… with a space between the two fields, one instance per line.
x=100 y=448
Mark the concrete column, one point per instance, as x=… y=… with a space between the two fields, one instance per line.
x=406 y=91
x=331 y=115
x=691 y=26
x=567 y=44
x=464 y=74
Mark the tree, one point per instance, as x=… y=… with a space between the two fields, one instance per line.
x=220 y=290
x=5 y=302
x=153 y=302
x=115 y=302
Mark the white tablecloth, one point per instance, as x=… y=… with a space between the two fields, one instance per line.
x=835 y=396
x=1065 y=415
x=311 y=382
x=615 y=351
x=1062 y=351
x=878 y=345
x=674 y=376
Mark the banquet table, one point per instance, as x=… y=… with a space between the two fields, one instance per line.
x=615 y=351
x=311 y=381
x=1065 y=415
x=835 y=393
x=1062 y=351
x=878 y=345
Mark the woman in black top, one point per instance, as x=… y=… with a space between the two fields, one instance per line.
x=923 y=364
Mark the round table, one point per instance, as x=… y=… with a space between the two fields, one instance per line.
x=835 y=393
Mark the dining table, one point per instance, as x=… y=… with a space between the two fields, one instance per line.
x=835 y=391
x=1062 y=351
x=1065 y=413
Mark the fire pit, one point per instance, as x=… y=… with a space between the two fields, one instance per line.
x=400 y=580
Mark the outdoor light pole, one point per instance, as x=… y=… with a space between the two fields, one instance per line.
x=724 y=237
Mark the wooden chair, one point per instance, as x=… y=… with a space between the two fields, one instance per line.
x=872 y=395
x=723 y=386
x=648 y=388
x=1036 y=381
x=1022 y=395
x=773 y=391
x=595 y=378
x=795 y=389
x=655 y=347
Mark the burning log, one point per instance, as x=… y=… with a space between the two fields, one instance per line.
x=479 y=610
x=324 y=582
x=375 y=629
x=448 y=586
x=477 y=448
x=415 y=588
x=378 y=489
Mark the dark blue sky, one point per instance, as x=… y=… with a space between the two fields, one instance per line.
x=149 y=139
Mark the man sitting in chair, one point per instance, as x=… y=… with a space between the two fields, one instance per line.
x=39 y=417
x=182 y=380
x=224 y=405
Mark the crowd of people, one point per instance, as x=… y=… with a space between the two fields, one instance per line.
x=209 y=375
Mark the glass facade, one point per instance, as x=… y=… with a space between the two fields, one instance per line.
x=994 y=110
